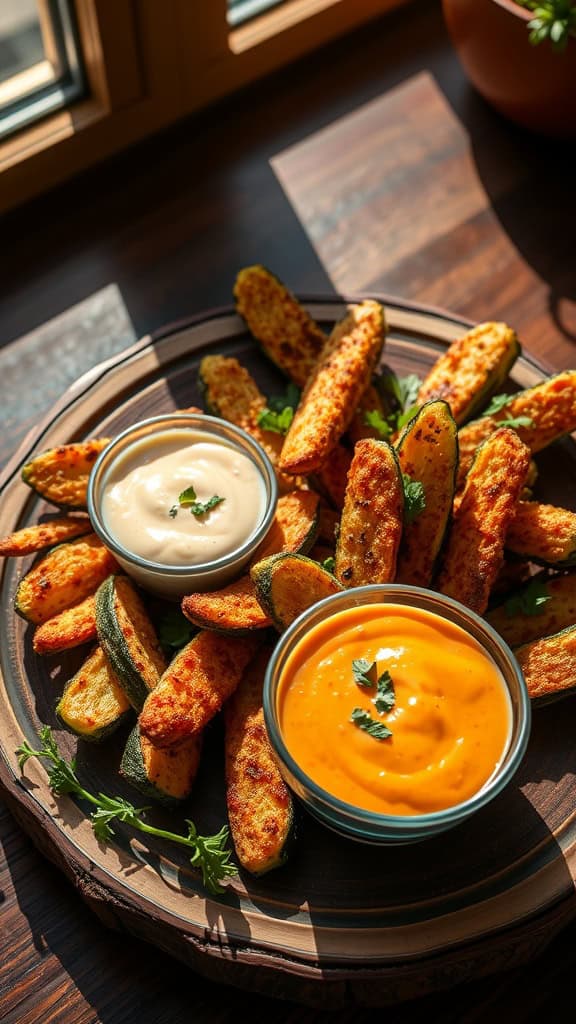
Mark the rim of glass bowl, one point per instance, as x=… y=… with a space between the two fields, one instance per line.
x=428 y=600
x=203 y=423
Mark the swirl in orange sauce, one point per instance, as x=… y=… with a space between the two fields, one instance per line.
x=450 y=722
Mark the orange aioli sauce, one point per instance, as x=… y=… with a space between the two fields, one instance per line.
x=450 y=722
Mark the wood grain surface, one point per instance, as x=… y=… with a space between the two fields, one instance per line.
x=379 y=136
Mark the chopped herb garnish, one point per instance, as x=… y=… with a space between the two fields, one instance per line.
x=279 y=411
x=209 y=853
x=188 y=499
x=403 y=389
x=500 y=402
x=363 y=720
x=373 y=418
x=329 y=563
x=414 y=498
x=385 y=697
x=200 y=508
x=530 y=600
x=365 y=672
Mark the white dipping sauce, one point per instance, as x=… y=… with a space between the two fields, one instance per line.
x=143 y=485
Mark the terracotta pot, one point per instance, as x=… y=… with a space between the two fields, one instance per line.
x=532 y=85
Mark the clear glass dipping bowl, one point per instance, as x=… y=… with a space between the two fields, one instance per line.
x=174 y=581
x=369 y=826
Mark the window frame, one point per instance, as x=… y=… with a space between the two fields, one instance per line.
x=138 y=82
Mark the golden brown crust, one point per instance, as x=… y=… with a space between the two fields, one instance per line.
x=543 y=533
x=471 y=368
x=328 y=402
x=259 y=803
x=194 y=687
x=549 y=665
x=372 y=517
x=72 y=627
x=64 y=577
x=288 y=334
x=551 y=407
x=44 y=535
x=427 y=452
x=93 y=700
x=475 y=550
x=556 y=614
x=61 y=474
x=172 y=770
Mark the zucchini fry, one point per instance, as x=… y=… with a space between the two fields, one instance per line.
x=60 y=475
x=287 y=585
x=474 y=553
x=128 y=638
x=471 y=369
x=372 y=517
x=551 y=616
x=201 y=676
x=231 y=392
x=544 y=534
x=260 y=806
x=550 y=407
x=342 y=373
x=235 y=608
x=72 y=627
x=93 y=703
x=332 y=478
x=44 y=535
x=287 y=333
x=163 y=774
x=428 y=452
x=549 y=666
x=63 y=577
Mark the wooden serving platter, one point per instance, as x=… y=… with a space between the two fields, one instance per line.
x=342 y=923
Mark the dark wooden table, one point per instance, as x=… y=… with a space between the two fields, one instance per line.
x=369 y=166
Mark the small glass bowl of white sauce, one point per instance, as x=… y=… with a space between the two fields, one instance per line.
x=183 y=501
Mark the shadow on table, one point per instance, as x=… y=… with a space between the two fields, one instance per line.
x=539 y=214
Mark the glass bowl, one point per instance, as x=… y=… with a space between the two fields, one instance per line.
x=164 y=578
x=370 y=826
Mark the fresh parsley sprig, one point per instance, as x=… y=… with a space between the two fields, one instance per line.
x=554 y=20
x=498 y=403
x=279 y=411
x=209 y=853
x=372 y=726
x=188 y=499
x=401 y=393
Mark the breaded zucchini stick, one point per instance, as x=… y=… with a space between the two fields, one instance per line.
x=287 y=333
x=544 y=534
x=194 y=686
x=550 y=407
x=427 y=452
x=330 y=398
x=475 y=550
x=471 y=369
x=549 y=666
x=372 y=517
x=556 y=613
x=260 y=806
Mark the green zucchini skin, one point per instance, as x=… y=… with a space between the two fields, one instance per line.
x=428 y=452
x=93 y=704
x=287 y=584
x=128 y=638
x=148 y=780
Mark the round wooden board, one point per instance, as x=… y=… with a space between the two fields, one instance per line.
x=342 y=924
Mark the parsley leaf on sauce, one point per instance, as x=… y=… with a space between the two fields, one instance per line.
x=363 y=720
x=188 y=499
